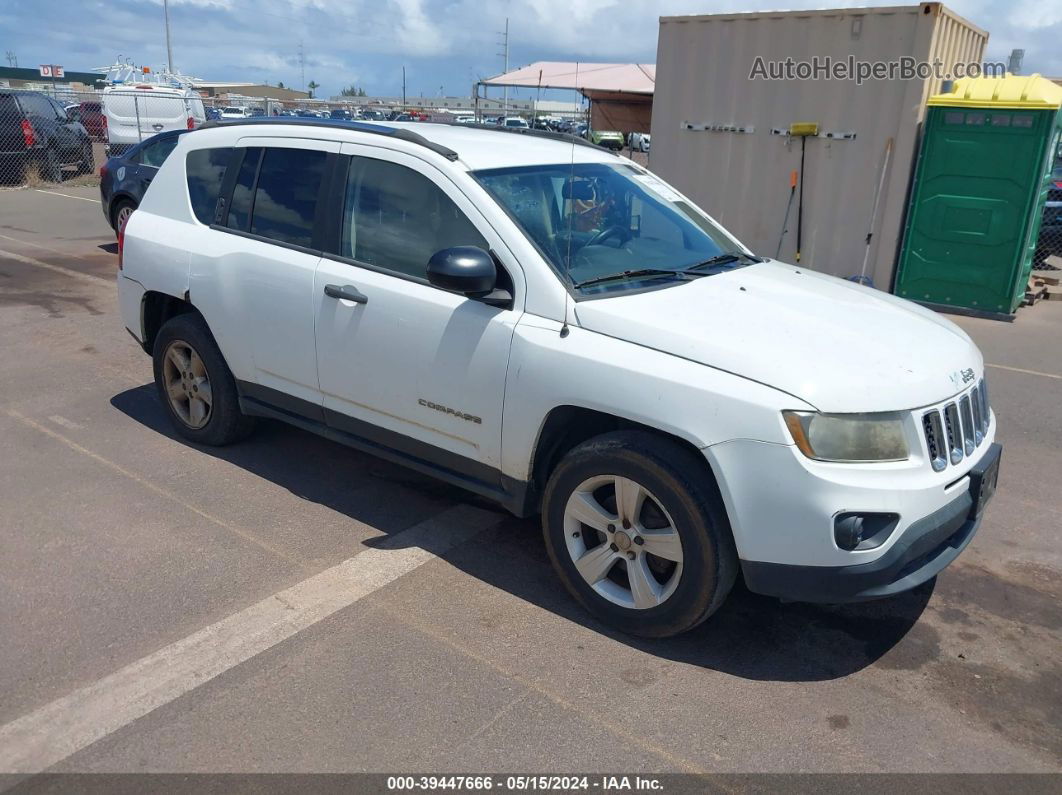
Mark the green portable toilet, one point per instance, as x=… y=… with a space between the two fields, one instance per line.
x=978 y=194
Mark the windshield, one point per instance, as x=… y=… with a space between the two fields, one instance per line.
x=594 y=220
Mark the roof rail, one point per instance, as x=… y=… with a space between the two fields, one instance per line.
x=556 y=136
x=337 y=124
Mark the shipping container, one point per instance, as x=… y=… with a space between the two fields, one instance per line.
x=720 y=134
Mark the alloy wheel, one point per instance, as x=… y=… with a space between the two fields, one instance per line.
x=623 y=542
x=123 y=216
x=187 y=384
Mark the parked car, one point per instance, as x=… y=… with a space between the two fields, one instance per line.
x=212 y=113
x=465 y=119
x=587 y=345
x=233 y=112
x=135 y=112
x=90 y=114
x=124 y=178
x=639 y=142
x=610 y=139
x=340 y=113
x=38 y=134
x=515 y=121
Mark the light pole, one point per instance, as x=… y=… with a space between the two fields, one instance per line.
x=169 y=49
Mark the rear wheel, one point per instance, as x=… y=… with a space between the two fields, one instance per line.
x=120 y=213
x=636 y=530
x=196 y=385
x=51 y=170
x=87 y=164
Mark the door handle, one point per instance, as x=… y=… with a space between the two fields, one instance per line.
x=346 y=292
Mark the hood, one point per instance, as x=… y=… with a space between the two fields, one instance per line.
x=837 y=345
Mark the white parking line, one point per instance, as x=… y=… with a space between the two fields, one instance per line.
x=42 y=738
x=57 y=268
x=67 y=196
x=1027 y=372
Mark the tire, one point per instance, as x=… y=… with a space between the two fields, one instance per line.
x=51 y=170
x=117 y=209
x=87 y=164
x=679 y=496
x=221 y=422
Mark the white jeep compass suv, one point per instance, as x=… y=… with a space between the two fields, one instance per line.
x=537 y=320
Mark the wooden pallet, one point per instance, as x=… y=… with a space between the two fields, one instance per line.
x=1036 y=291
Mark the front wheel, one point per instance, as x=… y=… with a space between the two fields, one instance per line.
x=196 y=385
x=637 y=532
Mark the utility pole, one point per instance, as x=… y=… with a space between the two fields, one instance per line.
x=302 y=65
x=12 y=59
x=504 y=44
x=403 y=88
x=169 y=49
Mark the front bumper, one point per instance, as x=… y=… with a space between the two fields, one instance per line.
x=782 y=508
x=922 y=551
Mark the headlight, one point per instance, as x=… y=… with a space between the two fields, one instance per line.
x=848 y=438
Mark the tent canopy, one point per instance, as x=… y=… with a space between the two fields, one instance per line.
x=621 y=94
x=628 y=78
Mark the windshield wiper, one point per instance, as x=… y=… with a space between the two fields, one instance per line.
x=615 y=277
x=723 y=259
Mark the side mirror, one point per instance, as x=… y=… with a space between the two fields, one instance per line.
x=463 y=269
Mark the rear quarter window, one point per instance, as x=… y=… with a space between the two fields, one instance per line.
x=205 y=169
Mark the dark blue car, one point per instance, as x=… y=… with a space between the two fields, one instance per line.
x=125 y=177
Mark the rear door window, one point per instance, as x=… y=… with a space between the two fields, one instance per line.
x=156 y=152
x=240 y=206
x=285 y=199
x=36 y=105
x=205 y=169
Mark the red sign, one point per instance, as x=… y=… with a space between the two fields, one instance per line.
x=52 y=70
x=46 y=70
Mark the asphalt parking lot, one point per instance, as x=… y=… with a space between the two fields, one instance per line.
x=287 y=604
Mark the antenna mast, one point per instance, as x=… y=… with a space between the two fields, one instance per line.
x=504 y=44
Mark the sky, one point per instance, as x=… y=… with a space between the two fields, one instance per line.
x=445 y=45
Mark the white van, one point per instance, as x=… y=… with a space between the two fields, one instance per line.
x=135 y=112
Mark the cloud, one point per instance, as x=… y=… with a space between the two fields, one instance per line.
x=440 y=42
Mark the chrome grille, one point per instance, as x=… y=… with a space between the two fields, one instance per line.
x=978 y=417
x=967 y=424
x=986 y=415
x=931 y=426
x=954 y=432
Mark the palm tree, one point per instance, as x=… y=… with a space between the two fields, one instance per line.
x=312 y=85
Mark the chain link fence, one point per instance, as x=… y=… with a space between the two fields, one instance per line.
x=61 y=135
x=1049 y=245
x=42 y=138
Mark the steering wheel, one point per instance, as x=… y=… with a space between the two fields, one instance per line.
x=620 y=232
